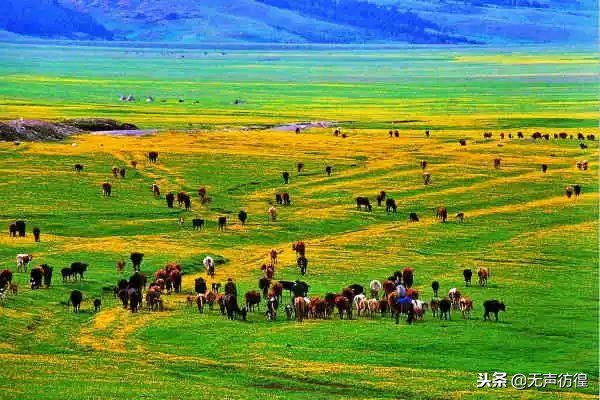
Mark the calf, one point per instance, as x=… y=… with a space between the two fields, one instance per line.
x=328 y=170
x=460 y=217
x=78 y=167
x=434 y=304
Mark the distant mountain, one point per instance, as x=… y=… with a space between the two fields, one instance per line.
x=306 y=21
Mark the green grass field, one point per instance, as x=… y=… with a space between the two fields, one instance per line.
x=541 y=248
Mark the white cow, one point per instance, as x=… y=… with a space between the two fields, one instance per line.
x=23 y=261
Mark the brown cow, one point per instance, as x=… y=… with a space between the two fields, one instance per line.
x=152 y=156
x=497 y=162
x=483 y=275
x=106 y=189
x=300 y=308
x=442 y=214
x=252 y=299
x=115 y=171
x=343 y=305
x=380 y=198
x=423 y=164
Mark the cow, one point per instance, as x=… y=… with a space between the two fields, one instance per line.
x=136 y=259
x=361 y=304
x=372 y=307
x=243 y=216
x=502 y=135
x=272 y=305
x=444 y=307
x=23 y=261
x=343 y=305
x=396 y=133
x=435 y=286
x=300 y=308
x=209 y=266
x=487 y=135
x=264 y=284
x=483 y=275
x=200 y=286
x=467 y=274
x=66 y=274
x=401 y=305
x=106 y=189
x=252 y=298
x=285 y=199
x=75 y=299
x=97 y=305
x=6 y=277
x=36 y=276
x=380 y=198
x=202 y=193
x=272 y=211
x=170 y=198
x=278 y=198
x=286 y=177
x=78 y=268
x=423 y=164
x=135 y=299
x=277 y=291
x=497 y=162
x=408 y=277
x=460 y=217
x=47 y=271
x=156 y=190
x=328 y=170
x=441 y=213
x=12 y=230
x=426 y=178
x=520 y=135
x=466 y=306
x=390 y=206
x=78 y=168
x=375 y=287
x=577 y=190
x=221 y=222
x=299 y=248
x=569 y=191
x=133 y=164
x=462 y=142
x=544 y=168
x=36 y=234
x=197 y=223
x=175 y=279
x=583 y=146
x=454 y=295
x=413 y=217
x=494 y=307
x=300 y=167
x=302 y=262
x=363 y=202
x=591 y=137
x=115 y=171
x=427 y=134
x=152 y=156
x=388 y=287
x=20 y=227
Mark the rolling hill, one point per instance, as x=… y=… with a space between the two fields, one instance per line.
x=306 y=21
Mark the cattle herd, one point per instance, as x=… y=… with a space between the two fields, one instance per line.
x=395 y=296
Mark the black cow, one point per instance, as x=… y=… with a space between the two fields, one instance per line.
x=328 y=170
x=390 y=205
x=200 y=285
x=363 y=202
x=78 y=167
x=302 y=264
x=12 y=230
x=445 y=306
x=435 y=285
x=222 y=222
x=243 y=216
x=66 y=274
x=467 y=274
x=494 y=307
x=577 y=190
x=36 y=234
x=232 y=308
x=286 y=177
x=78 y=268
x=97 y=304
x=36 y=276
x=47 y=270
x=197 y=223
x=300 y=289
x=356 y=289
x=20 y=228
x=136 y=259
x=75 y=299
x=170 y=198
x=153 y=156
x=413 y=217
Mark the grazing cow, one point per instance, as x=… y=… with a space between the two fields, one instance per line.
x=200 y=301
x=122 y=172
x=36 y=276
x=75 y=299
x=12 y=230
x=302 y=262
x=413 y=217
x=444 y=307
x=264 y=284
x=441 y=213
x=170 y=198
x=390 y=206
x=286 y=177
x=221 y=222
x=487 y=135
x=300 y=167
x=497 y=162
x=380 y=198
x=408 y=277
x=155 y=190
x=494 y=307
x=299 y=248
x=419 y=308
x=152 y=156
x=123 y=295
x=47 y=271
x=97 y=305
x=20 y=227
x=569 y=191
x=580 y=136
x=434 y=304
x=544 y=168
x=536 y=135
x=343 y=305
x=272 y=305
x=6 y=277
x=466 y=306
x=106 y=189
x=462 y=142
x=300 y=308
x=460 y=217
x=136 y=259
x=285 y=199
x=502 y=135
x=252 y=299
x=483 y=275
x=175 y=279
x=328 y=170
x=202 y=193
x=520 y=135
x=36 y=234
x=243 y=216
x=200 y=286
x=23 y=261
x=435 y=286
x=78 y=167
x=278 y=198
x=454 y=296
x=423 y=164
x=361 y=305
x=78 y=268
x=396 y=133
x=66 y=274
x=299 y=288
x=277 y=290
x=577 y=190
x=375 y=287
x=426 y=178
x=211 y=297
x=591 y=137
x=467 y=274
x=197 y=223
x=363 y=202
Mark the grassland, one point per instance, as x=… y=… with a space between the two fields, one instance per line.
x=541 y=248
